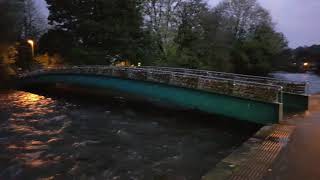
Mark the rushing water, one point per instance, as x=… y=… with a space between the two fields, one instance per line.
x=62 y=137
x=312 y=79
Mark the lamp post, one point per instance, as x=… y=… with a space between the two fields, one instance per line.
x=31 y=42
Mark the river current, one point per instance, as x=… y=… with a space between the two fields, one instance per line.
x=65 y=136
x=312 y=79
x=49 y=136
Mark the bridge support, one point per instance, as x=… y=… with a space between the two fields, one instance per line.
x=295 y=102
x=224 y=105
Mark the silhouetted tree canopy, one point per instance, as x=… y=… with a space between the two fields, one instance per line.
x=105 y=29
x=235 y=36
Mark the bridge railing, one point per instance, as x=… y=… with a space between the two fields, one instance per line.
x=288 y=86
x=186 y=79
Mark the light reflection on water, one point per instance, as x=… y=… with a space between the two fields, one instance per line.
x=41 y=137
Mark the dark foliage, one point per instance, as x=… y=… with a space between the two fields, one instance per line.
x=236 y=36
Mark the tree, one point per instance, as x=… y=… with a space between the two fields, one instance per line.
x=10 y=21
x=236 y=36
x=106 y=29
x=55 y=41
x=190 y=39
x=242 y=17
x=254 y=41
x=260 y=49
x=177 y=29
x=162 y=22
x=34 y=22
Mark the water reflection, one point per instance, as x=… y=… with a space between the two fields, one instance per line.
x=57 y=138
x=311 y=78
x=26 y=131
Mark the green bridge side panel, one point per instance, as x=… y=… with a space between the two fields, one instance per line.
x=295 y=102
x=228 y=106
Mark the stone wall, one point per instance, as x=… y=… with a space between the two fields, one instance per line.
x=288 y=86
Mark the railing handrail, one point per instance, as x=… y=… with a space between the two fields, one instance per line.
x=226 y=73
x=276 y=87
x=219 y=78
x=201 y=82
x=288 y=86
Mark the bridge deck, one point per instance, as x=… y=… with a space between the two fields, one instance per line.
x=236 y=97
x=233 y=87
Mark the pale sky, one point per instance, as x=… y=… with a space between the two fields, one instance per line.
x=297 y=19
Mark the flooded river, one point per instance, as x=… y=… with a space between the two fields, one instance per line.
x=78 y=137
x=311 y=78
x=52 y=136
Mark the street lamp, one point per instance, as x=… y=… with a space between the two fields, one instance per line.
x=31 y=42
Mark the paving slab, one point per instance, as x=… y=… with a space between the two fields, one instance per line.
x=300 y=159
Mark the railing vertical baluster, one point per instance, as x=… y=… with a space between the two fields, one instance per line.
x=205 y=80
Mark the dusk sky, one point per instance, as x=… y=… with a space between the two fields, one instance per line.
x=297 y=19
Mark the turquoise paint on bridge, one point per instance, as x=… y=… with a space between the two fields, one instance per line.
x=224 y=105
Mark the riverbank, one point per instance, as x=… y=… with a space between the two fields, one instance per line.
x=300 y=158
x=253 y=159
x=287 y=151
x=7 y=83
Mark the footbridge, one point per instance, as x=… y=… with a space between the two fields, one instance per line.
x=249 y=98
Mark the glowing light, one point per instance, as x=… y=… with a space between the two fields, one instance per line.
x=31 y=98
x=305 y=64
x=36 y=163
x=139 y=64
x=31 y=42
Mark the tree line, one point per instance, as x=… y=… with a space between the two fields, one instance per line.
x=293 y=60
x=234 y=36
x=19 y=20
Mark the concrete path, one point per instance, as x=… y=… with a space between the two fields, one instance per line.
x=300 y=159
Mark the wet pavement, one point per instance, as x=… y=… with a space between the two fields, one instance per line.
x=62 y=137
x=300 y=159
